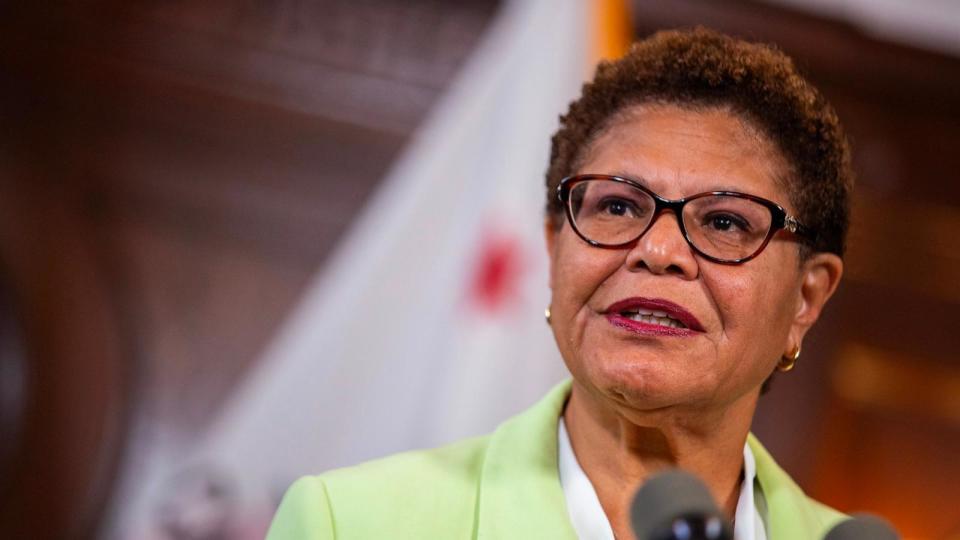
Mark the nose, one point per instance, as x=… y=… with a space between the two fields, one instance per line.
x=664 y=250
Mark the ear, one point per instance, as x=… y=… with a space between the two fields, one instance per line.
x=550 y=233
x=820 y=275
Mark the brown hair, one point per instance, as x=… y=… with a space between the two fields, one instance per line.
x=704 y=68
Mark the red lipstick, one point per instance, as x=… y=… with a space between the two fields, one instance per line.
x=647 y=315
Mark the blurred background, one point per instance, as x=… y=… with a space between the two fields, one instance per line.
x=183 y=183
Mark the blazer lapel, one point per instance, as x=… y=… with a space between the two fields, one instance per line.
x=790 y=515
x=519 y=493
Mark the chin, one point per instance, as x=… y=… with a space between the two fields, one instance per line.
x=641 y=385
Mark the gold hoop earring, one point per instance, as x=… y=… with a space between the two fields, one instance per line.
x=787 y=362
x=546 y=313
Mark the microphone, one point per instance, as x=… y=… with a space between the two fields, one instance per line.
x=675 y=505
x=862 y=527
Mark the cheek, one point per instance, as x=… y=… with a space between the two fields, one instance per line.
x=577 y=272
x=736 y=298
x=755 y=309
x=753 y=295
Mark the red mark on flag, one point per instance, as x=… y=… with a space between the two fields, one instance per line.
x=497 y=272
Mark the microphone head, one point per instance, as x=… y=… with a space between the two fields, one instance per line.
x=676 y=499
x=862 y=527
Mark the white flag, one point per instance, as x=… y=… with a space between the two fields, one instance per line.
x=427 y=324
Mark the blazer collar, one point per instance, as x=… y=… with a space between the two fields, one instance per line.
x=520 y=495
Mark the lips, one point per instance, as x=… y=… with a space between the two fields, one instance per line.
x=654 y=316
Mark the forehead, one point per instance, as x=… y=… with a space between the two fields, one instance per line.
x=679 y=151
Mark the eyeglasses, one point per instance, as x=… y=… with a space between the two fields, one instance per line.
x=724 y=226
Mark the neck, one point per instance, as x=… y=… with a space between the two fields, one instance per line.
x=619 y=450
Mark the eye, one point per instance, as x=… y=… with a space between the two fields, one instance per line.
x=726 y=222
x=617 y=207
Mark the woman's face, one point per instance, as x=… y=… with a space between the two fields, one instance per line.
x=739 y=319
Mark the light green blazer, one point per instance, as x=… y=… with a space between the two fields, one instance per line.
x=504 y=485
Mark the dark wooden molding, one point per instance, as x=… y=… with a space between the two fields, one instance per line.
x=832 y=52
x=79 y=371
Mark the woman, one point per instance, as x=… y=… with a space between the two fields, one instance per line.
x=696 y=214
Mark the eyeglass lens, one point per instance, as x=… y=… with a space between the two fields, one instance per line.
x=720 y=226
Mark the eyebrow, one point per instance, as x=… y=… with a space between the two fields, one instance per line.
x=643 y=182
x=638 y=179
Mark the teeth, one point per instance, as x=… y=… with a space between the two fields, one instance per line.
x=654 y=317
x=660 y=314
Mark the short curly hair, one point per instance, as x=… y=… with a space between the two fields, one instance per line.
x=704 y=68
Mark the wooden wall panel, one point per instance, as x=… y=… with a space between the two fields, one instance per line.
x=209 y=155
x=75 y=392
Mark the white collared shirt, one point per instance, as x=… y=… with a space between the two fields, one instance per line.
x=591 y=523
